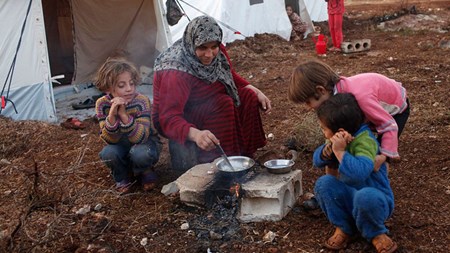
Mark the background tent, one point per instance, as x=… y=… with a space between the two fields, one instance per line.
x=24 y=66
x=76 y=37
x=249 y=17
x=317 y=10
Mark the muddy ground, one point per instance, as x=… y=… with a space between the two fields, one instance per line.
x=56 y=196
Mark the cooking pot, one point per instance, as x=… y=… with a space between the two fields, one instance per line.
x=281 y=166
x=241 y=165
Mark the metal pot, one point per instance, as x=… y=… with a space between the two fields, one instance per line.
x=241 y=165
x=281 y=166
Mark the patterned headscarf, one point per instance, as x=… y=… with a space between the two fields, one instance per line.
x=181 y=55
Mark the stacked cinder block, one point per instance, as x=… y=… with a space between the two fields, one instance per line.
x=356 y=46
x=270 y=197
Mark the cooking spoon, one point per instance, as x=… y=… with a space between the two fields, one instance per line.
x=225 y=157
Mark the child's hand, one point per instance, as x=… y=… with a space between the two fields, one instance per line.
x=379 y=160
x=339 y=142
x=327 y=151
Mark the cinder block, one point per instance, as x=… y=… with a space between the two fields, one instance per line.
x=270 y=197
x=356 y=46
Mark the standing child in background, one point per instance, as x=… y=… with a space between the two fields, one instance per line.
x=335 y=16
x=133 y=146
x=383 y=100
x=298 y=26
x=357 y=199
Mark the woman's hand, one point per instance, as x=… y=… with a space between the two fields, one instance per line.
x=262 y=98
x=203 y=138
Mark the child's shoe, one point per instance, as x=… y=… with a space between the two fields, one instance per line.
x=384 y=244
x=338 y=241
x=149 y=180
x=123 y=186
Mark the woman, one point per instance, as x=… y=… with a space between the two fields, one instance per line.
x=199 y=99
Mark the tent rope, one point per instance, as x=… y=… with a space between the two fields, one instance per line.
x=9 y=77
x=218 y=21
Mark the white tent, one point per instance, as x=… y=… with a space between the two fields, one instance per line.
x=250 y=17
x=70 y=37
x=73 y=37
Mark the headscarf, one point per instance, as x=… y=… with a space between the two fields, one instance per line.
x=181 y=55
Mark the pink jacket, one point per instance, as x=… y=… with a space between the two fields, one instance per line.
x=379 y=98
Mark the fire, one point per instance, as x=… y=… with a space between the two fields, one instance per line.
x=234 y=189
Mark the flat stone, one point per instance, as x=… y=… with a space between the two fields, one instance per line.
x=192 y=183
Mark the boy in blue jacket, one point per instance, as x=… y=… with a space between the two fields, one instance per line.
x=355 y=198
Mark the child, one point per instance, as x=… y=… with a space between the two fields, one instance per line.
x=133 y=147
x=335 y=15
x=357 y=199
x=383 y=100
x=298 y=26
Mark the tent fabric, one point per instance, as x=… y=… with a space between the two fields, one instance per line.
x=317 y=10
x=266 y=16
x=104 y=26
x=31 y=87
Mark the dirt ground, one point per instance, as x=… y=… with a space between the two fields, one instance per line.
x=56 y=196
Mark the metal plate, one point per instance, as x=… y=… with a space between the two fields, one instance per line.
x=239 y=163
x=279 y=166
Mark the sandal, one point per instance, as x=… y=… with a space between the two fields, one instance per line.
x=123 y=186
x=86 y=104
x=384 y=244
x=73 y=123
x=338 y=240
x=149 y=180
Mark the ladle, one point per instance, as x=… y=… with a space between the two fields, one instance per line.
x=225 y=157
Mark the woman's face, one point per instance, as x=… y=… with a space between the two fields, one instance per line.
x=207 y=52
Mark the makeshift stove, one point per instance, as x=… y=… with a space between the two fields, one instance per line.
x=259 y=195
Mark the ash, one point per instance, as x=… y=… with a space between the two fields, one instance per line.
x=218 y=225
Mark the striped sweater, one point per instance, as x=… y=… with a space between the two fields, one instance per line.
x=138 y=130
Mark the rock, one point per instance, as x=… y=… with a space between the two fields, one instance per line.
x=269 y=236
x=215 y=236
x=184 y=226
x=144 y=241
x=169 y=189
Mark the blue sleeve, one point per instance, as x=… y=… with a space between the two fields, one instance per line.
x=355 y=169
x=317 y=159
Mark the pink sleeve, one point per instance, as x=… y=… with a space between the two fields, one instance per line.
x=383 y=122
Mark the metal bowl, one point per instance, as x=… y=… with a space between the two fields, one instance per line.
x=239 y=163
x=279 y=166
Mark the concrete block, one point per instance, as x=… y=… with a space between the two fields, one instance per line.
x=270 y=197
x=356 y=46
